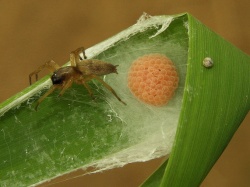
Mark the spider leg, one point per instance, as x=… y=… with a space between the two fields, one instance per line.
x=50 y=65
x=45 y=95
x=75 y=56
x=108 y=87
x=81 y=50
x=88 y=88
x=83 y=80
x=66 y=86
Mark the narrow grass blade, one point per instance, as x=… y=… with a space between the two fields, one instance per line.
x=156 y=178
x=215 y=102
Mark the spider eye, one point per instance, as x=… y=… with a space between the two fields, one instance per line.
x=57 y=79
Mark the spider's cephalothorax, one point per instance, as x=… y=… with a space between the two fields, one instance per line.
x=62 y=74
x=81 y=71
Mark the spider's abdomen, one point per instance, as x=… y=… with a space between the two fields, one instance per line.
x=96 y=67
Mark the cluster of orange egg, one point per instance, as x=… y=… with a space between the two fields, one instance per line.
x=153 y=79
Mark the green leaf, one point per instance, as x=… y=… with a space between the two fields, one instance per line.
x=73 y=131
x=215 y=102
x=156 y=178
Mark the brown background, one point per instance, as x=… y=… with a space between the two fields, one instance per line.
x=32 y=32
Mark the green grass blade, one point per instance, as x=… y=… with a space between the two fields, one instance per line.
x=155 y=179
x=72 y=131
x=215 y=102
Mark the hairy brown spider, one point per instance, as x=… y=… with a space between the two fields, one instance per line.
x=81 y=71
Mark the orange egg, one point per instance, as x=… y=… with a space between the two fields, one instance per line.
x=153 y=79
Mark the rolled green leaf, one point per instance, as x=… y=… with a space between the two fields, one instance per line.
x=73 y=131
x=156 y=178
x=215 y=102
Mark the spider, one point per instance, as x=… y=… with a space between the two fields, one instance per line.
x=81 y=71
